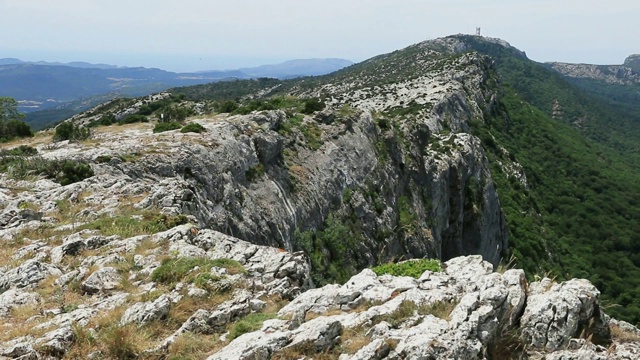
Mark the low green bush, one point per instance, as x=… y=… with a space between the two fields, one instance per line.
x=166 y=126
x=133 y=119
x=71 y=172
x=193 y=127
x=22 y=150
x=64 y=172
x=312 y=105
x=412 y=268
x=105 y=120
x=14 y=129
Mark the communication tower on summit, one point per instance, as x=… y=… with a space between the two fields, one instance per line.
x=477 y=31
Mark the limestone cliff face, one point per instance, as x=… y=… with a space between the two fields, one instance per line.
x=261 y=184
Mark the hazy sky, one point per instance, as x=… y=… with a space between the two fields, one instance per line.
x=188 y=35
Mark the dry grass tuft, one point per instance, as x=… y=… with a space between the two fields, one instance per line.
x=194 y=346
x=354 y=339
x=622 y=335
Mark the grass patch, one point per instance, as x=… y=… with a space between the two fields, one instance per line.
x=412 y=268
x=129 y=225
x=408 y=309
x=622 y=335
x=194 y=346
x=249 y=323
x=183 y=269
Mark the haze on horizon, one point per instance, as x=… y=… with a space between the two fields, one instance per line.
x=193 y=35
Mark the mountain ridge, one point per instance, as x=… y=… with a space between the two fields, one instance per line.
x=429 y=151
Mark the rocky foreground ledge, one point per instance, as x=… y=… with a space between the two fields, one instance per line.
x=243 y=301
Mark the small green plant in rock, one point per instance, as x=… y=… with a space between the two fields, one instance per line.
x=101 y=159
x=255 y=172
x=249 y=323
x=412 y=268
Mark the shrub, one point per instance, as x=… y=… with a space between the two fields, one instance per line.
x=105 y=120
x=10 y=124
x=255 y=172
x=312 y=105
x=176 y=113
x=72 y=172
x=64 y=172
x=133 y=119
x=412 y=268
x=193 y=127
x=22 y=150
x=72 y=132
x=166 y=126
x=227 y=106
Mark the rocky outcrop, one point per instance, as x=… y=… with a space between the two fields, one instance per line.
x=465 y=312
x=627 y=74
x=633 y=62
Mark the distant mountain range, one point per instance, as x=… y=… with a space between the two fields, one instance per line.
x=45 y=85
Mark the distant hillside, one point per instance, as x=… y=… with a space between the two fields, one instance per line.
x=616 y=85
x=50 y=86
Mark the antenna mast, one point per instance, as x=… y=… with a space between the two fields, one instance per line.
x=478 y=31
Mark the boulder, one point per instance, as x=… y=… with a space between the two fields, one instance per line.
x=28 y=274
x=143 y=313
x=556 y=314
x=103 y=279
x=13 y=298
